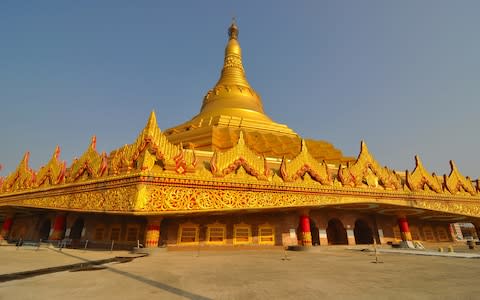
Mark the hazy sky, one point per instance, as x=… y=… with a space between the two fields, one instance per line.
x=402 y=75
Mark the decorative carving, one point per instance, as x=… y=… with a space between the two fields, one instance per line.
x=151 y=148
x=174 y=198
x=366 y=171
x=455 y=182
x=180 y=163
x=114 y=199
x=53 y=172
x=90 y=165
x=179 y=199
x=305 y=163
x=420 y=179
x=22 y=178
x=231 y=160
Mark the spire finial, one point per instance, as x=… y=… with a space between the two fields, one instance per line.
x=233 y=29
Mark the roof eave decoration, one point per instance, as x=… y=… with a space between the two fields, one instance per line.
x=90 y=165
x=22 y=178
x=456 y=182
x=240 y=156
x=305 y=163
x=421 y=180
x=367 y=172
x=53 y=172
x=152 y=148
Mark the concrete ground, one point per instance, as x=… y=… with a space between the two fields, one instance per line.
x=325 y=272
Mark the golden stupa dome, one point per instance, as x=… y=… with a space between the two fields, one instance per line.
x=233 y=95
x=232 y=106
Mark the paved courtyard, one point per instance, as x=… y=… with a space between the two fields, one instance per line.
x=325 y=273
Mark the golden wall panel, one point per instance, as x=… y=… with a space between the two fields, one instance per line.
x=120 y=199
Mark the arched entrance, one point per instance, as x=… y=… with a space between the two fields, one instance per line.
x=45 y=230
x=314 y=233
x=336 y=233
x=363 y=232
x=163 y=233
x=76 y=231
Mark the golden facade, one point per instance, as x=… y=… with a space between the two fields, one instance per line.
x=230 y=175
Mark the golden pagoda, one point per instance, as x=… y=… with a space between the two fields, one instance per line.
x=231 y=106
x=231 y=177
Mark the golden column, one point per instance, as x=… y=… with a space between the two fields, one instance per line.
x=152 y=235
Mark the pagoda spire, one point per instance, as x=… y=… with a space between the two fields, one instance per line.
x=233 y=72
x=233 y=95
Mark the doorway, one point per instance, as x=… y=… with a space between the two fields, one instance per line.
x=45 y=230
x=76 y=231
x=363 y=232
x=336 y=233
x=314 y=232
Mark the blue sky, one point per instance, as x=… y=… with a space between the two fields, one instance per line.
x=402 y=75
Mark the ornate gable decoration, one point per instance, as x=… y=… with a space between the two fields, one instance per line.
x=53 y=172
x=90 y=165
x=455 y=182
x=420 y=179
x=230 y=161
x=366 y=171
x=305 y=163
x=150 y=147
x=22 y=178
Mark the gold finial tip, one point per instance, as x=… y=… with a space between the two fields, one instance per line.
x=233 y=29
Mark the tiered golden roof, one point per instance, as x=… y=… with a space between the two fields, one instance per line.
x=153 y=175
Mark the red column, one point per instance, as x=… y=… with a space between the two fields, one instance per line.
x=305 y=228
x=58 y=227
x=404 y=230
x=152 y=236
x=7 y=225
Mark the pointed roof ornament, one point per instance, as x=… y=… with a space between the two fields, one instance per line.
x=420 y=178
x=304 y=146
x=93 y=143
x=57 y=152
x=418 y=162
x=363 y=146
x=151 y=123
x=455 y=182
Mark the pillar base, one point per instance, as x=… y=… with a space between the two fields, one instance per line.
x=406 y=236
x=152 y=236
x=307 y=239
x=351 y=237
